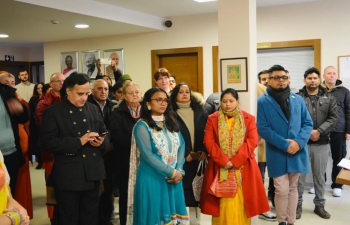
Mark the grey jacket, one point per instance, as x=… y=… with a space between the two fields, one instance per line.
x=323 y=111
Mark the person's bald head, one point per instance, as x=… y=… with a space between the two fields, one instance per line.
x=100 y=90
x=56 y=81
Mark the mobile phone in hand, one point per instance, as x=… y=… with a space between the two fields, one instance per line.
x=103 y=134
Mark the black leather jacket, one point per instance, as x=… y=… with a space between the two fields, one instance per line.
x=323 y=111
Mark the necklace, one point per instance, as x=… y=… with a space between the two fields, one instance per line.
x=158 y=118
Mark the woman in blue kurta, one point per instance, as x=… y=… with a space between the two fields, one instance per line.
x=156 y=195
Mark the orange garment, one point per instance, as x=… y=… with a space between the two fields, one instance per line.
x=23 y=190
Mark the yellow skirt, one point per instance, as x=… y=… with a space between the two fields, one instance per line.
x=232 y=211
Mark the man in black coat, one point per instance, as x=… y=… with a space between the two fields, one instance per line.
x=73 y=130
x=12 y=112
x=341 y=131
x=99 y=97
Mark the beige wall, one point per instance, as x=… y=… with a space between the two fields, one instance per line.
x=327 y=20
x=191 y=31
x=25 y=54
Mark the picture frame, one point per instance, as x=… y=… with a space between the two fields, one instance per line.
x=88 y=62
x=234 y=74
x=107 y=53
x=344 y=70
x=67 y=66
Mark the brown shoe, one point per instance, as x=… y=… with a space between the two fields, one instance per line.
x=319 y=210
x=299 y=211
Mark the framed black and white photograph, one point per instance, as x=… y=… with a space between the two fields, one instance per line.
x=89 y=62
x=113 y=54
x=69 y=62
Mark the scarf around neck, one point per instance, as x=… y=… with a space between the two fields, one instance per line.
x=281 y=97
x=134 y=113
x=231 y=131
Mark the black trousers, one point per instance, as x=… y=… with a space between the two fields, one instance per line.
x=338 y=149
x=11 y=162
x=107 y=197
x=123 y=199
x=78 y=207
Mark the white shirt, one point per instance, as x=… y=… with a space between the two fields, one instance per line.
x=25 y=91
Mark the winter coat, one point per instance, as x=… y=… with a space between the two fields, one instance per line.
x=275 y=128
x=323 y=111
x=342 y=95
x=190 y=168
x=255 y=200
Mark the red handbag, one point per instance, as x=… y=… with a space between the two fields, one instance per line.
x=226 y=188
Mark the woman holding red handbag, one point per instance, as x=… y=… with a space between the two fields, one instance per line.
x=232 y=191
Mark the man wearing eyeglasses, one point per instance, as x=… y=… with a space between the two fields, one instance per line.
x=46 y=100
x=285 y=124
x=322 y=107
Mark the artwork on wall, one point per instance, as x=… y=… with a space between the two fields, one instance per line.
x=89 y=62
x=112 y=54
x=234 y=74
x=69 y=62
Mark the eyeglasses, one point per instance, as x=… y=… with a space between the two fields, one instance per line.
x=283 y=77
x=161 y=100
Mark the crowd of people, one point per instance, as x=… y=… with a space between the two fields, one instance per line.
x=102 y=141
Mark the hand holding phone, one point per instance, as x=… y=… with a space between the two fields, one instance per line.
x=103 y=134
x=106 y=61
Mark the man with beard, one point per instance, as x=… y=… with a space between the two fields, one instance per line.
x=25 y=88
x=323 y=110
x=285 y=124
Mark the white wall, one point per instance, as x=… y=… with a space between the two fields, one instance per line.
x=190 y=31
x=327 y=20
x=24 y=54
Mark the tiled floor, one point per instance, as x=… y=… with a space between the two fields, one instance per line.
x=339 y=208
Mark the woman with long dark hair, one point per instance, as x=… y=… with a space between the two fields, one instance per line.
x=156 y=165
x=34 y=129
x=191 y=118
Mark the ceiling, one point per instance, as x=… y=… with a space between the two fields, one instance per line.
x=28 y=22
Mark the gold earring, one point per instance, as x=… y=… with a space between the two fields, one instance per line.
x=149 y=107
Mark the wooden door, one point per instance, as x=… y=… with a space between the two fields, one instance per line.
x=186 y=64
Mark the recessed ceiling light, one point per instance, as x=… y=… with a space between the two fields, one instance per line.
x=81 y=26
x=4 y=36
x=205 y=0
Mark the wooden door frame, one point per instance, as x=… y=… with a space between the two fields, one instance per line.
x=315 y=43
x=156 y=54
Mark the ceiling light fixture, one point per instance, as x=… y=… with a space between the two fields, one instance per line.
x=81 y=26
x=205 y=0
x=4 y=36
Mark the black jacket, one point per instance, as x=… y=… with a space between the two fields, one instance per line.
x=76 y=167
x=323 y=111
x=107 y=110
x=342 y=95
x=7 y=93
x=200 y=120
x=121 y=126
x=212 y=103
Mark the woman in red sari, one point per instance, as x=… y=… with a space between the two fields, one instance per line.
x=230 y=139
